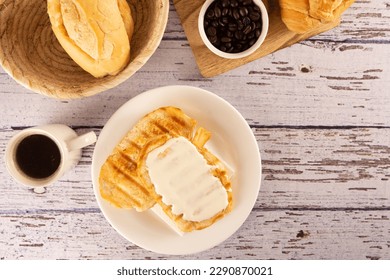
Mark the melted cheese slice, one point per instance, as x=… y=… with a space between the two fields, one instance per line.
x=183 y=178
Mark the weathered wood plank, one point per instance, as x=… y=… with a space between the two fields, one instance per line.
x=288 y=88
x=287 y=234
x=320 y=113
x=302 y=169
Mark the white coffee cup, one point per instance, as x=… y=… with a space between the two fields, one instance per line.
x=69 y=146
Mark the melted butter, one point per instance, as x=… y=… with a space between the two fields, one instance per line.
x=183 y=178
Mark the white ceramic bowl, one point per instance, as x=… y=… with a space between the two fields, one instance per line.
x=259 y=42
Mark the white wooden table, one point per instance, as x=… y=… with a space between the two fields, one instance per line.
x=320 y=111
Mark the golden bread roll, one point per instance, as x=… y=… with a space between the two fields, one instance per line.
x=125 y=178
x=95 y=33
x=301 y=16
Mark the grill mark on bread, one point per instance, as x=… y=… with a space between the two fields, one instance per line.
x=118 y=200
x=179 y=121
x=133 y=201
x=145 y=134
x=160 y=127
x=128 y=177
x=132 y=143
x=111 y=190
x=129 y=162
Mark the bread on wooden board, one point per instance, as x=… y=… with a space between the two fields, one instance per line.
x=301 y=16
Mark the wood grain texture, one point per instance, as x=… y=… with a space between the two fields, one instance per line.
x=284 y=234
x=278 y=37
x=310 y=203
x=320 y=113
x=315 y=83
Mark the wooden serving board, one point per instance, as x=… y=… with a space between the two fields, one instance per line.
x=210 y=65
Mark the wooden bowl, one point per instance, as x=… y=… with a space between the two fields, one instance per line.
x=31 y=54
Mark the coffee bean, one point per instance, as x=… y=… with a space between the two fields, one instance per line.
x=211 y=31
x=236 y=14
x=253 y=25
x=246 y=21
x=232 y=27
x=226 y=40
x=217 y=43
x=213 y=39
x=254 y=16
x=230 y=49
x=247 y=2
x=240 y=25
x=247 y=29
x=229 y=34
x=238 y=35
x=257 y=33
x=233 y=3
x=221 y=23
x=225 y=3
x=243 y=11
x=225 y=11
x=217 y=12
x=225 y=20
x=210 y=14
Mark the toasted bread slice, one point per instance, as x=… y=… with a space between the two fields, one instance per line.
x=119 y=181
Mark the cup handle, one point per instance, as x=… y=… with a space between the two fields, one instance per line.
x=81 y=141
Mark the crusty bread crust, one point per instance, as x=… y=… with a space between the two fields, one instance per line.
x=302 y=16
x=95 y=34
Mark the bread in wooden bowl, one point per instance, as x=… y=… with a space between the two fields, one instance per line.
x=95 y=33
x=31 y=54
x=301 y=16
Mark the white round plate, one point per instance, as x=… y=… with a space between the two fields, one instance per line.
x=232 y=140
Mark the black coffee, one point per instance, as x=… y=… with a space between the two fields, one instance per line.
x=38 y=156
x=233 y=26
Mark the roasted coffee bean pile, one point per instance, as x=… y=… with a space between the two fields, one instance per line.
x=233 y=26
